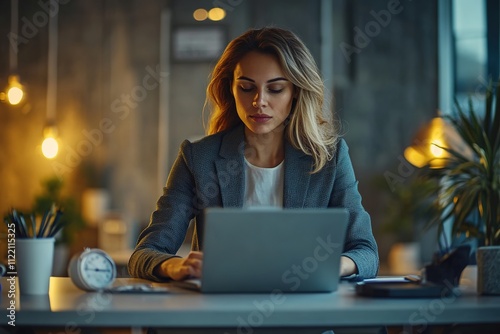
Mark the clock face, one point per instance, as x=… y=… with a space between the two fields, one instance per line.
x=97 y=270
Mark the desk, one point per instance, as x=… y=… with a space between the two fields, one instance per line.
x=68 y=306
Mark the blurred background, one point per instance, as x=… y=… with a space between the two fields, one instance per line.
x=120 y=84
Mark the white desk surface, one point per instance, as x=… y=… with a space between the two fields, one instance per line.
x=66 y=305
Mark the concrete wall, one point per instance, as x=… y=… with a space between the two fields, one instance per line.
x=385 y=90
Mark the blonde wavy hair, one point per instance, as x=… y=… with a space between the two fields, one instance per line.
x=309 y=128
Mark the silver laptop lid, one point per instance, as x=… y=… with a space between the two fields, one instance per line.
x=265 y=250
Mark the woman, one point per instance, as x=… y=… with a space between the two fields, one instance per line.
x=268 y=144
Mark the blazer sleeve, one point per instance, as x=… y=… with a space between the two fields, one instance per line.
x=169 y=223
x=360 y=244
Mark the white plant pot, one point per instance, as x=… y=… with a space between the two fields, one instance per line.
x=488 y=270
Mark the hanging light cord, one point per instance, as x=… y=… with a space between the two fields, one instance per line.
x=14 y=13
x=52 y=68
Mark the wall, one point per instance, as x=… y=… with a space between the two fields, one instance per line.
x=384 y=91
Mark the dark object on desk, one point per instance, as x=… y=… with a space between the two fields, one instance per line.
x=448 y=268
x=137 y=288
x=441 y=279
x=403 y=290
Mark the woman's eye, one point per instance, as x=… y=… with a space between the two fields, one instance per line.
x=246 y=89
x=275 y=91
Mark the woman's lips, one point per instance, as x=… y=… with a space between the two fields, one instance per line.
x=260 y=118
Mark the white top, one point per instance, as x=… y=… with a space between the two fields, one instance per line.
x=263 y=186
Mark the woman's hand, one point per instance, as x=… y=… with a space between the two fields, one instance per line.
x=178 y=268
x=347 y=266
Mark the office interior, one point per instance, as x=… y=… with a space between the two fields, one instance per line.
x=120 y=84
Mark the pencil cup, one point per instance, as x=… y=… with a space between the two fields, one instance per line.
x=34 y=259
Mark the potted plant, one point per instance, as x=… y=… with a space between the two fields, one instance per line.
x=52 y=195
x=72 y=220
x=469 y=187
x=407 y=206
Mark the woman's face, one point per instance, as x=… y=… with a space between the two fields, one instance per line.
x=262 y=93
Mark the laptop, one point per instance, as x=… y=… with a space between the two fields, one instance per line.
x=271 y=250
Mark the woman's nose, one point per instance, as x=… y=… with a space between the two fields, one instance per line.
x=259 y=101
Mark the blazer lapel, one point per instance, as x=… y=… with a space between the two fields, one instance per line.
x=231 y=175
x=230 y=168
x=297 y=177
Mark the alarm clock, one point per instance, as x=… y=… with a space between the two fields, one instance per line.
x=92 y=270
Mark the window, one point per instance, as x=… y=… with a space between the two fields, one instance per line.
x=468 y=50
x=470 y=47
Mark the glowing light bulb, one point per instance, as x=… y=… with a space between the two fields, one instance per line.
x=200 y=14
x=15 y=91
x=15 y=95
x=216 y=14
x=436 y=150
x=50 y=147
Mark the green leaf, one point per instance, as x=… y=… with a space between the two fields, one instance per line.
x=464 y=127
x=455 y=154
x=495 y=133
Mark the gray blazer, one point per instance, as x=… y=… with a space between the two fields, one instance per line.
x=210 y=173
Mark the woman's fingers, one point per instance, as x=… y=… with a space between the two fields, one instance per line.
x=190 y=266
x=193 y=263
x=195 y=255
x=181 y=268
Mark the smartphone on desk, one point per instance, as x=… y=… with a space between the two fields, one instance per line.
x=354 y=278
x=402 y=287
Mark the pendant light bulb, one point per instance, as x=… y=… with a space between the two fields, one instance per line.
x=50 y=145
x=14 y=92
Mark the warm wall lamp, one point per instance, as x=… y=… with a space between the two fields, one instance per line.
x=431 y=141
x=14 y=92
x=427 y=146
x=50 y=145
